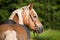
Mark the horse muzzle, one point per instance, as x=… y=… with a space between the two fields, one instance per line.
x=39 y=30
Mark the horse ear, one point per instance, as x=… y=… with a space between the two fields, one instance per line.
x=30 y=6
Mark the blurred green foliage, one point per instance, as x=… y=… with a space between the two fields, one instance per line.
x=48 y=34
x=47 y=10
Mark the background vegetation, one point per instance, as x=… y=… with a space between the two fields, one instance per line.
x=47 y=10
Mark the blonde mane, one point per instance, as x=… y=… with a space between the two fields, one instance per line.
x=19 y=13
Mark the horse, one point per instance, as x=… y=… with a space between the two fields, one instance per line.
x=18 y=24
x=27 y=16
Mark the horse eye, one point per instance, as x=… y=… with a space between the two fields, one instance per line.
x=34 y=16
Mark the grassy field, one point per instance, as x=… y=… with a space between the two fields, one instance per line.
x=47 y=35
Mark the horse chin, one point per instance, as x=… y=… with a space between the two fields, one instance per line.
x=38 y=31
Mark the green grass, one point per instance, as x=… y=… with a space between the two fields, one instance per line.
x=47 y=35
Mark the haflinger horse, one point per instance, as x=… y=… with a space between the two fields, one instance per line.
x=18 y=25
x=27 y=16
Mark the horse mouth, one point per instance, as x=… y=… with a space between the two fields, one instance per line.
x=39 y=30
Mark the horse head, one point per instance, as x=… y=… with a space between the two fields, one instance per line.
x=27 y=16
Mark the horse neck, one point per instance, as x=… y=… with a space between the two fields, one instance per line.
x=16 y=16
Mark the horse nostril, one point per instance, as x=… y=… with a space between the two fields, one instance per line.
x=39 y=30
